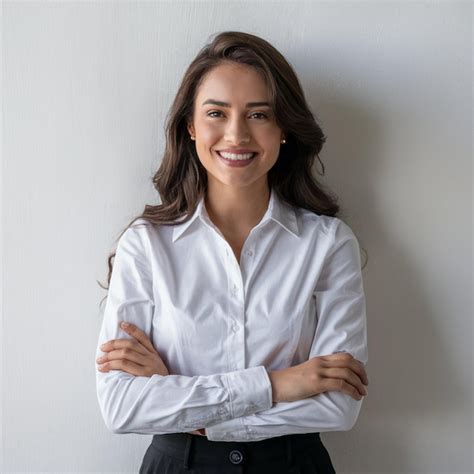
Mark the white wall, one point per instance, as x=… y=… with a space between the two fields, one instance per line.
x=86 y=86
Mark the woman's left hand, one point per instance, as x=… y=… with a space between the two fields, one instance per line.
x=135 y=356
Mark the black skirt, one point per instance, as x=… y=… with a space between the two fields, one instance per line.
x=184 y=453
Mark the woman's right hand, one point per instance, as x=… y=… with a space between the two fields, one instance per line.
x=334 y=372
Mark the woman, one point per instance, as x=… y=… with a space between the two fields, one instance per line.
x=242 y=290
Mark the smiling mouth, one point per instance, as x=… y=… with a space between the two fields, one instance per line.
x=237 y=156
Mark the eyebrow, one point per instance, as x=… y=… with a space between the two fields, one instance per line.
x=225 y=104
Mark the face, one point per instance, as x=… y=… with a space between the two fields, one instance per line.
x=232 y=114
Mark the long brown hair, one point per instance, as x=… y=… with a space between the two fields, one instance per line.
x=181 y=180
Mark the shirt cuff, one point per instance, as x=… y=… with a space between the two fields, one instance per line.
x=250 y=391
x=229 y=430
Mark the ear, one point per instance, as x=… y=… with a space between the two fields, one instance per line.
x=190 y=128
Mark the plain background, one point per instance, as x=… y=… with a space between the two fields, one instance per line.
x=86 y=87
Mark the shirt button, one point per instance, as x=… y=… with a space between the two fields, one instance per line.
x=249 y=253
x=236 y=456
x=222 y=411
x=235 y=327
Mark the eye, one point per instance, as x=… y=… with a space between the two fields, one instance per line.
x=262 y=115
x=213 y=112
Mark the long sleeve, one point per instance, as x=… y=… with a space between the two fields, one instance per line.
x=341 y=326
x=163 y=404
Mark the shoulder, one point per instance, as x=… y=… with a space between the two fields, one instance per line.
x=310 y=221
x=334 y=229
x=136 y=237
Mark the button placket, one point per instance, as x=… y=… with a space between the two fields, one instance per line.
x=236 y=306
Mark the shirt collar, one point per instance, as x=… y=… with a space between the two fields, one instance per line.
x=278 y=210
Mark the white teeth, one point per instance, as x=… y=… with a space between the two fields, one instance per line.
x=233 y=156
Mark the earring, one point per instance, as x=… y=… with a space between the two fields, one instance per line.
x=193 y=137
x=283 y=141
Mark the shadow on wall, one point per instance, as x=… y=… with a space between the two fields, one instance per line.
x=410 y=375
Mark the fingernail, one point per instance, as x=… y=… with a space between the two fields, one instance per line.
x=124 y=325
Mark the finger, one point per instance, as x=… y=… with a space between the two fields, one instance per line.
x=339 y=355
x=139 y=335
x=114 y=344
x=363 y=373
x=347 y=375
x=124 y=354
x=354 y=364
x=340 y=385
x=124 y=366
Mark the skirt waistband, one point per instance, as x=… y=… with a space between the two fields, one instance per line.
x=178 y=445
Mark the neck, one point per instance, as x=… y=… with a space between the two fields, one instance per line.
x=237 y=209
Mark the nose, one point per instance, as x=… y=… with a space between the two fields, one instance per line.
x=237 y=131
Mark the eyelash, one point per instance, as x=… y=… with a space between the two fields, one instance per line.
x=219 y=112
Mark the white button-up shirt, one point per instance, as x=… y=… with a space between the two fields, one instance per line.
x=220 y=324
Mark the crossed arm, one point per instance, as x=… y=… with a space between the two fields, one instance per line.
x=236 y=406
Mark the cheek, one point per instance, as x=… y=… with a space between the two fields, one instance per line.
x=270 y=137
x=271 y=146
x=208 y=133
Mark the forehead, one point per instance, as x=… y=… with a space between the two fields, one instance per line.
x=233 y=80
